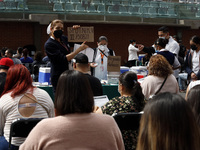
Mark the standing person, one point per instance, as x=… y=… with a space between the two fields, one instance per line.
x=172 y=45
x=81 y=64
x=160 y=78
x=58 y=50
x=100 y=58
x=5 y=63
x=168 y=124
x=132 y=50
x=75 y=125
x=9 y=54
x=131 y=100
x=192 y=62
x=20 y=99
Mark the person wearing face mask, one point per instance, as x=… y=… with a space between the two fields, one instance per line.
x=132 y=50
x=58 y=50
x=101 y=53
x=172 y=45
x=192 y=62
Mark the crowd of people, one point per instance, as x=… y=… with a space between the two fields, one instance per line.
x=72 y=121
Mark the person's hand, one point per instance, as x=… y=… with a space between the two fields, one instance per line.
x=83 y=46
x=76 y=26
x=193 y=76
x=93 y=65
x=140 y=47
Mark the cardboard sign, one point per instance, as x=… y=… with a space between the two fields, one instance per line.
x=114 y=63
x=81 y=34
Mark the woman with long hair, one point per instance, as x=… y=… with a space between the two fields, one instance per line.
x=131 y=100
x=168 y=124
x=20 y=99
x=193 y=98
x=76 y=126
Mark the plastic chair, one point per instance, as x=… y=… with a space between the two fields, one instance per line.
x=11 y=5
x=162 y=11
x=22 y=127
x=128 y=121
x=122 y=10
x=2 y=6
x=101 y=8
x=91 y=8
x=58 y=7
x=69 y=7
x=22 y=6
x=171 y=12
x=80 y=8
x=153 y=11
x=134 y=10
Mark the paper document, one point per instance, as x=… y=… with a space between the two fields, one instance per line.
x=88 y=51
x=100 y=100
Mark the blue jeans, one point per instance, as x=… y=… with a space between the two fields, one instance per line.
x=4 y=144
x=182 y=78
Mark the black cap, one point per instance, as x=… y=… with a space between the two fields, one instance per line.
x=81 y=58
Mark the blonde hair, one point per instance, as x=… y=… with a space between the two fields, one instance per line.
x=159 y=66
x=54 y=22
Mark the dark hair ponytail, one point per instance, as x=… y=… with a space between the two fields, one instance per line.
x=131 y=41
x=129 y=81
x=161 y=42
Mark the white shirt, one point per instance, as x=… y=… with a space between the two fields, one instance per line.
x=100 y=71
x=132 y=50
x=195 y=62
x=173 y=46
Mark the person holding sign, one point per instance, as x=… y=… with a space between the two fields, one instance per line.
x=100 y=58
x=58 y=50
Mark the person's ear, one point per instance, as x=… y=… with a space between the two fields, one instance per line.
x=74 y=65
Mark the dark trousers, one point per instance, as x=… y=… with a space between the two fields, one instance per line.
x=4 y=144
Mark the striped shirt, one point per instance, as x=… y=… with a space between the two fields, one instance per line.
x=9 y=111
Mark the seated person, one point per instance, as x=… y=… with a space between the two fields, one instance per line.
x=160 y=77
x=81 y=64
x=26 y=58
x=131 y=100
x=5 y=63
x=168 y=124
x=20 y=99
x=76 y=126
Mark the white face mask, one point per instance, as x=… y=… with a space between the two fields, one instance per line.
x=102 y=47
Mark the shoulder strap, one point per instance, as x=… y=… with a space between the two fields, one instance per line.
x=161 y=86
x=36 y=101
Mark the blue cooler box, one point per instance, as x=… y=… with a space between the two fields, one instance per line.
x=123 y=69
x=44 y=74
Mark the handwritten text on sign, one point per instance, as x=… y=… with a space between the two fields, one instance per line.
x=114 y=63
x=81 y=34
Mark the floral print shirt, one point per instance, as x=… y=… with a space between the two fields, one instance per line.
x=122 y=105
